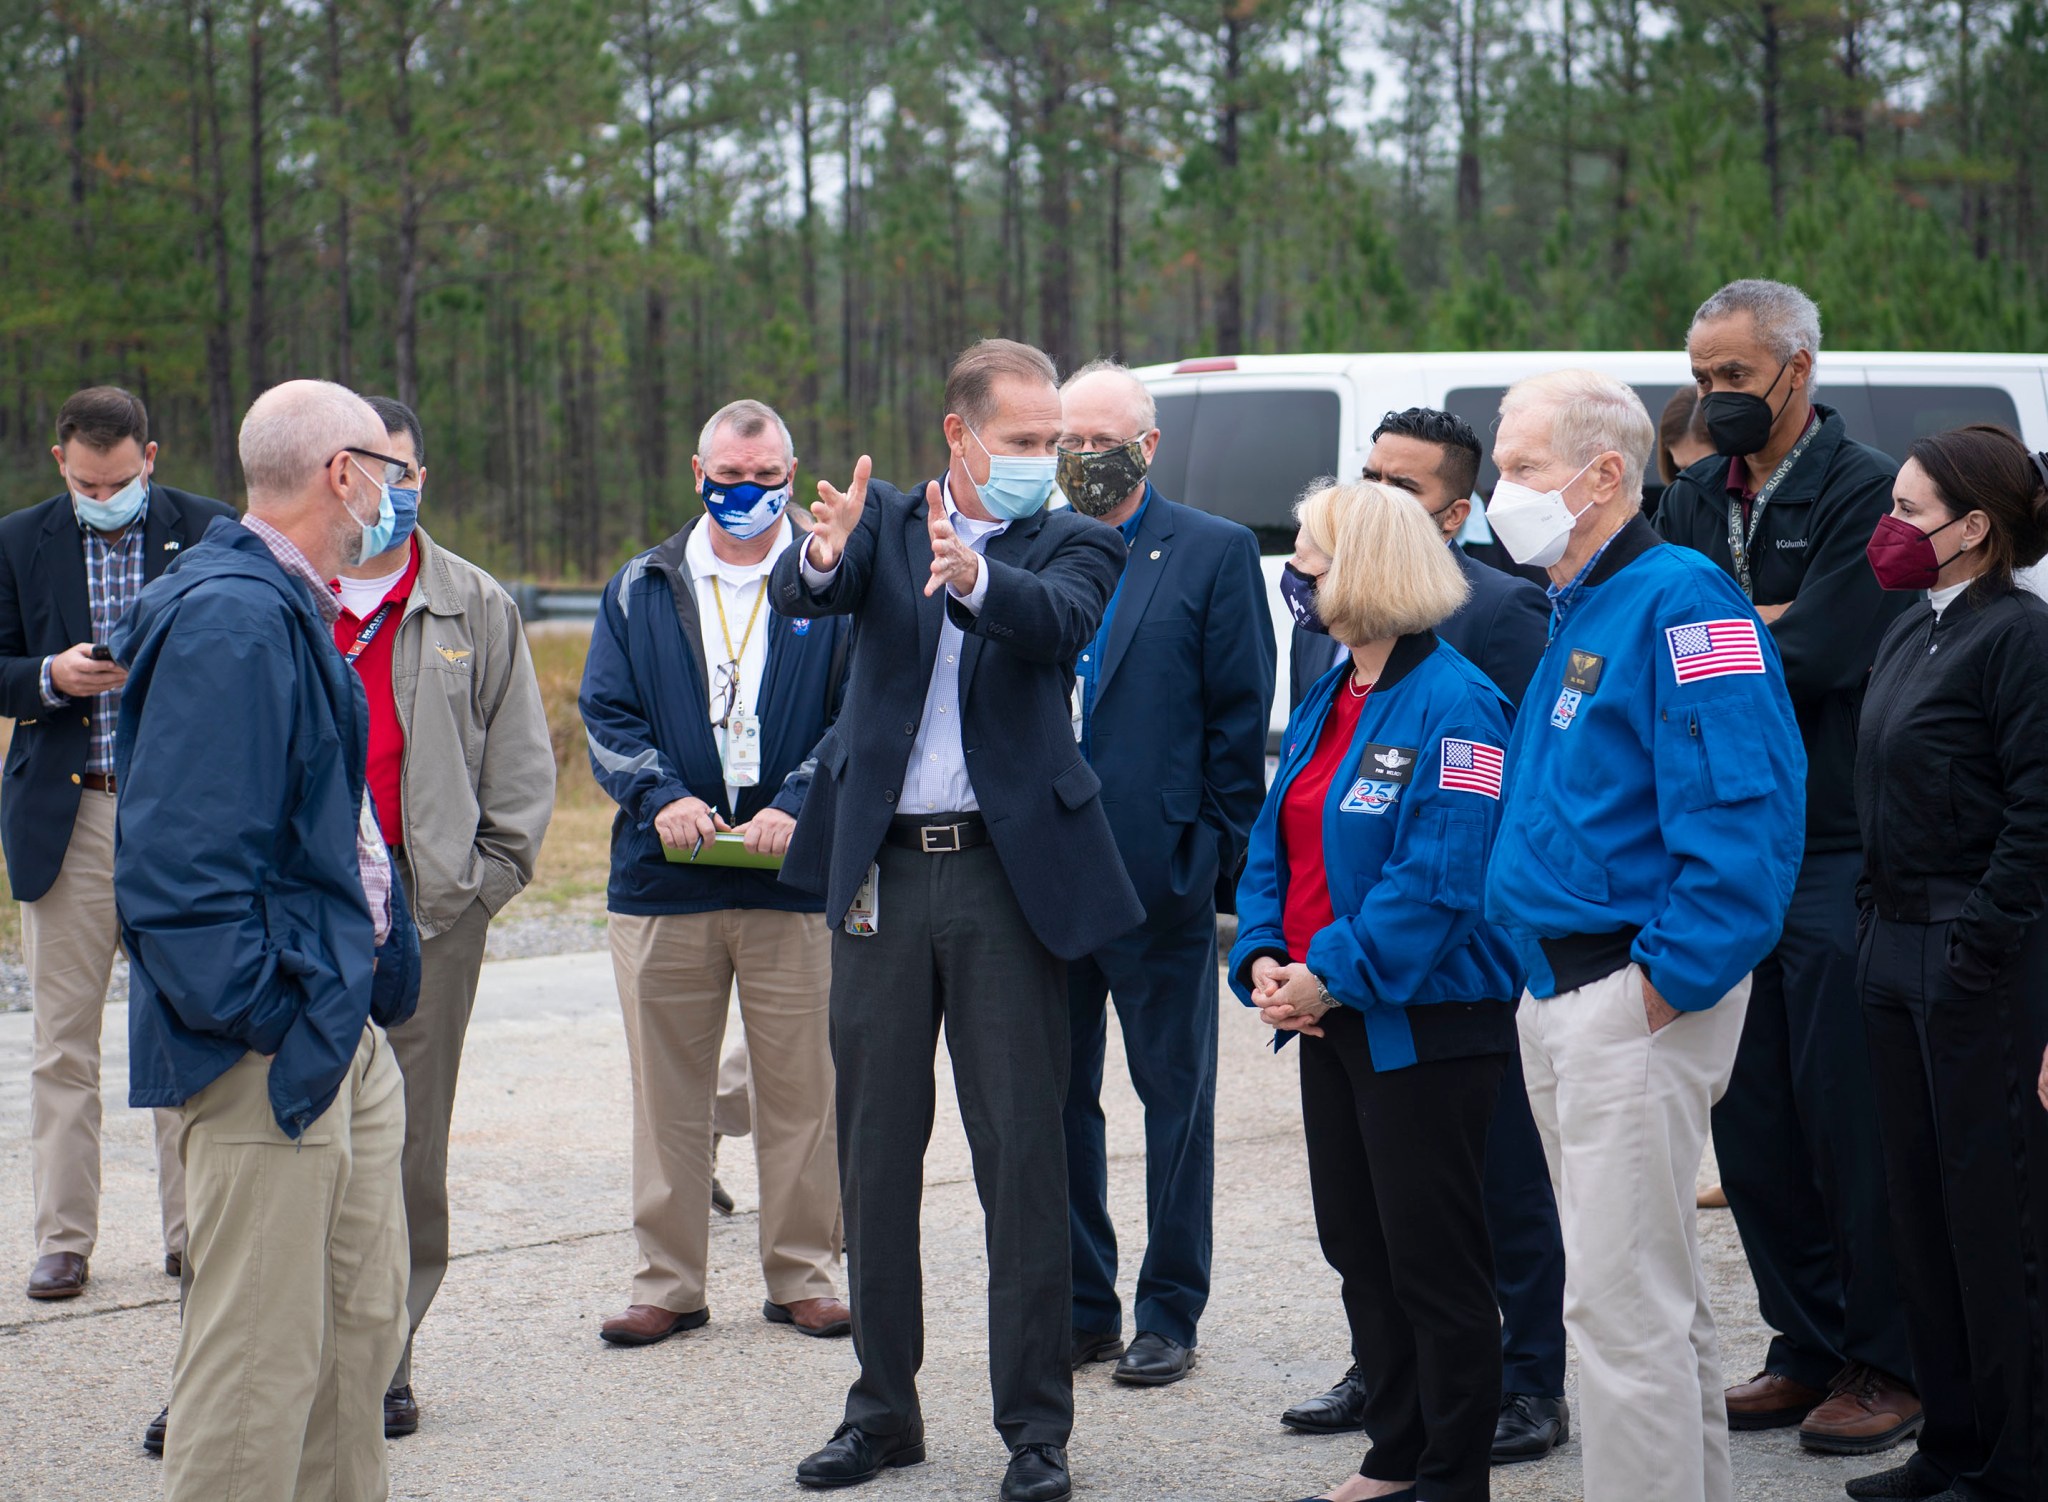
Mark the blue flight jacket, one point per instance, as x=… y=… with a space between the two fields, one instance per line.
x=1406 y=860
x=644 y=701
x=1649 y=819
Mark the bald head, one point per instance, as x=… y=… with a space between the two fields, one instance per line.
x=291 y=436
x=1102 y=396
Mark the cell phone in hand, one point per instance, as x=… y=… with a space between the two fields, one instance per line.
x=101 y=652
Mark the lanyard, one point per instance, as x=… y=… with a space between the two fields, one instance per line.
x=725 y=630
x=1739 y=542
x=367 y=632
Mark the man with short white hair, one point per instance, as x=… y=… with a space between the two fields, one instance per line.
x=1786 y=509
x=1648 y=844
x=270 y=946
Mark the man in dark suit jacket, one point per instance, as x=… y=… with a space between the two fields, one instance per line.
x=69 y=568
x=1502 y=629
x=959 y=838
x=1173 y=695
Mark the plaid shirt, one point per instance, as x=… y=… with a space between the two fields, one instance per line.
x=113 y=578
x=373 y=860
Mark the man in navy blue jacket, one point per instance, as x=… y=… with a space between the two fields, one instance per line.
x=701 y=707
x=959 y=837
x=1434 y=456
x=1173 y=695
x=269 y=946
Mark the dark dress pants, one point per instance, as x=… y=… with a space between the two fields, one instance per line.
x=1966 y=1157
x=1165 y=990
x=1395 y=1167
x=1796 y=1140
x=1528 y=1245
x=952 y=948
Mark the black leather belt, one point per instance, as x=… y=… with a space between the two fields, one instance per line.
x=937 y=834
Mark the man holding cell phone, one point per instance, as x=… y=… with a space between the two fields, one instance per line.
x=701 y=707
x=69 y=569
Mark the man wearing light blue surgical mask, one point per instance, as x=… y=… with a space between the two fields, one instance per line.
x=69 y=569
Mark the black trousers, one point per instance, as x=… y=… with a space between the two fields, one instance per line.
x=952 y=948
x=1966 y=1158
x=1528 y=1244
x=1796 y=1141
x=1395 y=1168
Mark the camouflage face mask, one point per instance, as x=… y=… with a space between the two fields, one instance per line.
x=1096 y=484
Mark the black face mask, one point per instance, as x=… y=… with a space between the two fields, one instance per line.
x=1096 y=484
x=1299 y=591
x=1740 y=423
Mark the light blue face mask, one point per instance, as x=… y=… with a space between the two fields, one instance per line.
x=377 y=536
x=1017 y=485
x=117 y=510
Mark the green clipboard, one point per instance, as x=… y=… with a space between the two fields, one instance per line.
x=723 y=850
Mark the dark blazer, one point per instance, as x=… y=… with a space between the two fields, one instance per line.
x=1501 y=629
x=1050 y=575
x=44 y=610
x=1178 y=732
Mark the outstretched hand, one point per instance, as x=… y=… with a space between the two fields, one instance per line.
x=954 y=563
x=834 y=516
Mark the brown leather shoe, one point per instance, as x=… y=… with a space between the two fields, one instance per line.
x=61 y=1275
x=1867 y=1411
x=649 y=1324
x=1769 y=1401
x=823 y=1318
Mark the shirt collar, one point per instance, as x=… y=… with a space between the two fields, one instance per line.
x=702 y=562
x=1560 y=594
x=1129 y=526
x=971 y=530
x=298 y=565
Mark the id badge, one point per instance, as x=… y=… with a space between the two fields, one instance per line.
x=863 y=914
x=1074 y=704
x=742 y=750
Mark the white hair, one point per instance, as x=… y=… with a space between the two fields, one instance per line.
x=1591 y=414
x=748 y=419
x=294 y=430
x=1787 y=320
x=1142 y=403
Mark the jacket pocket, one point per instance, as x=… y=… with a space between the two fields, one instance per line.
x=1077 y=785
x=1733 y=766
x=1460 y=840
x=1180 y=805
x=1559 y=854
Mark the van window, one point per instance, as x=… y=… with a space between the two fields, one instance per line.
x=1247 y=455
x=1480 y=406
x=1900 y=414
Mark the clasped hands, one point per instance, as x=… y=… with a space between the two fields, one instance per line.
x=1288 y=996
x=837 y=512
x=688 y=822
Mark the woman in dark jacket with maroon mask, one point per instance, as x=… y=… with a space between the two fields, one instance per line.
x=1952 y=795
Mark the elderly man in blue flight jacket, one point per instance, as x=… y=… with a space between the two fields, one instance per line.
x=1655 y=811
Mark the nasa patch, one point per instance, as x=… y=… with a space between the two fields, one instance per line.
x=1370 y=797
x=800 y=627
x=1395 y=764
x=1566 y=708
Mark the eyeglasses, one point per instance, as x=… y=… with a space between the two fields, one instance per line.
x=726 y=683
x=395 y=470
x=1095 y=443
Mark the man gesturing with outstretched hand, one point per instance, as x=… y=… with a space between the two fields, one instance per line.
x=959 y=838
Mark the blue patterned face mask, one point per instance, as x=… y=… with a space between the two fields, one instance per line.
x=117 y=510
x=744 y=510
x=1017 y=485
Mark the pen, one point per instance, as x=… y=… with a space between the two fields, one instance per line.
x=699 y=850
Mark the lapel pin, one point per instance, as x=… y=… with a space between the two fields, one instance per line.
x=1155 y=553
x=172 y=547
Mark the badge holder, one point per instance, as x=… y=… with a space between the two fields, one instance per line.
x=863 y=914
x=742 y=750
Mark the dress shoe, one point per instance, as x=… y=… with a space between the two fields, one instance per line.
x=1769 y=1401
x=401 y=1413
x=854 y=1456
x=1866 y=1412
x=1406 y=1494
x=1909 y=1481
x=721 y=1197
x=1341 y=1410
x=61 y=1275
x=1037 y=1473
x=823 y=1318
x=1093 y=1345
x=649 y=1324
x=1154 y=1361
x=153 y=1432
x=174 y=1264
x=1530 y=1427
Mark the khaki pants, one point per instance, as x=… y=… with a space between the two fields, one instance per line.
x=296 y=1312
x=675 y=975
x=732 y=1114
x=1623 y=1114
x=69 y=936
x=428 y=1047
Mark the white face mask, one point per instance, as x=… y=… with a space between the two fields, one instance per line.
x=1535 y=526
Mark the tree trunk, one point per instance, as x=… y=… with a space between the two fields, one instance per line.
x=1055 y=214
x=408 y=268
x=1773 y=62
x=74 y=151
x=654 y=429
x=259 y=248
x=813 y=395
x=220 y=365
x=344 y=301
x=1230 y=289
x=1471 y=20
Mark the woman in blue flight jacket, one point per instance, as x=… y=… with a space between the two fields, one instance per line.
x=1359 y=926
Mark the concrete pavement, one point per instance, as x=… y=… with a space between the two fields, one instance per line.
x=522 y=1401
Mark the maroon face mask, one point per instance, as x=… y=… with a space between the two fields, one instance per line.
x=1903 y=557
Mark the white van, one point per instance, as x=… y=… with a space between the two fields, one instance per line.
x=1242 y=436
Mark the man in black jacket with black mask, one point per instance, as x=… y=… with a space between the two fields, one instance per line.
x=1786 y=506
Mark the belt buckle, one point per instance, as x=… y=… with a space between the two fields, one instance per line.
x=929 y=837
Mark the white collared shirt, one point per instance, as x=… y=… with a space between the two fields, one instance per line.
x=936 y=780
x=739 y=586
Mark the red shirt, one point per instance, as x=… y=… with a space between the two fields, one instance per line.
x=1307 y=911
x=387 y=736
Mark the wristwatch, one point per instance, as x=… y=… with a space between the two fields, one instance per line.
x=1323 y=995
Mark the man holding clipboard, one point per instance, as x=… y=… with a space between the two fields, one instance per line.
x=701 y=707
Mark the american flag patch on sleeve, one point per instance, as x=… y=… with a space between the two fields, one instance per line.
x=1471 y=767
x=1714 y=649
